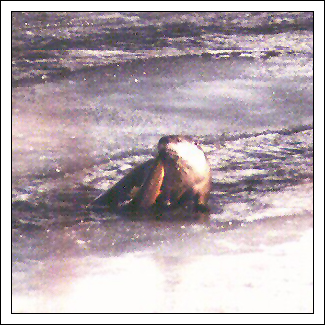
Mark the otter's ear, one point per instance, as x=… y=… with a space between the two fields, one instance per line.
x=124 y=189
x=150 y=189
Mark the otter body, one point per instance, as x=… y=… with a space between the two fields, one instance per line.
x=179 y=176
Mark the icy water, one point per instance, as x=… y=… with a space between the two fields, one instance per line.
x=92 y=95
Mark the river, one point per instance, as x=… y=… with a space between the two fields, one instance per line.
x=92 y=93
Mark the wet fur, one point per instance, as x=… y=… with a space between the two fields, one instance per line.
x=166 y=182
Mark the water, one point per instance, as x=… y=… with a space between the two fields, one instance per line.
x=93 y=93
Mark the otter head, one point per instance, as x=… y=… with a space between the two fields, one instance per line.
x=183 y=152
x=187 y=171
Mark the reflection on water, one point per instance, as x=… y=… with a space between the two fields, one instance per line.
x=171 y=281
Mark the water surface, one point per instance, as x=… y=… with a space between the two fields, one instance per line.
x=93 y=93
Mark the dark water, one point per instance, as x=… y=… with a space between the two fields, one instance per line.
x=48 y=45
x=93 y=93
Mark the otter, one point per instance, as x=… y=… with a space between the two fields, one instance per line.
x=179 y=176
